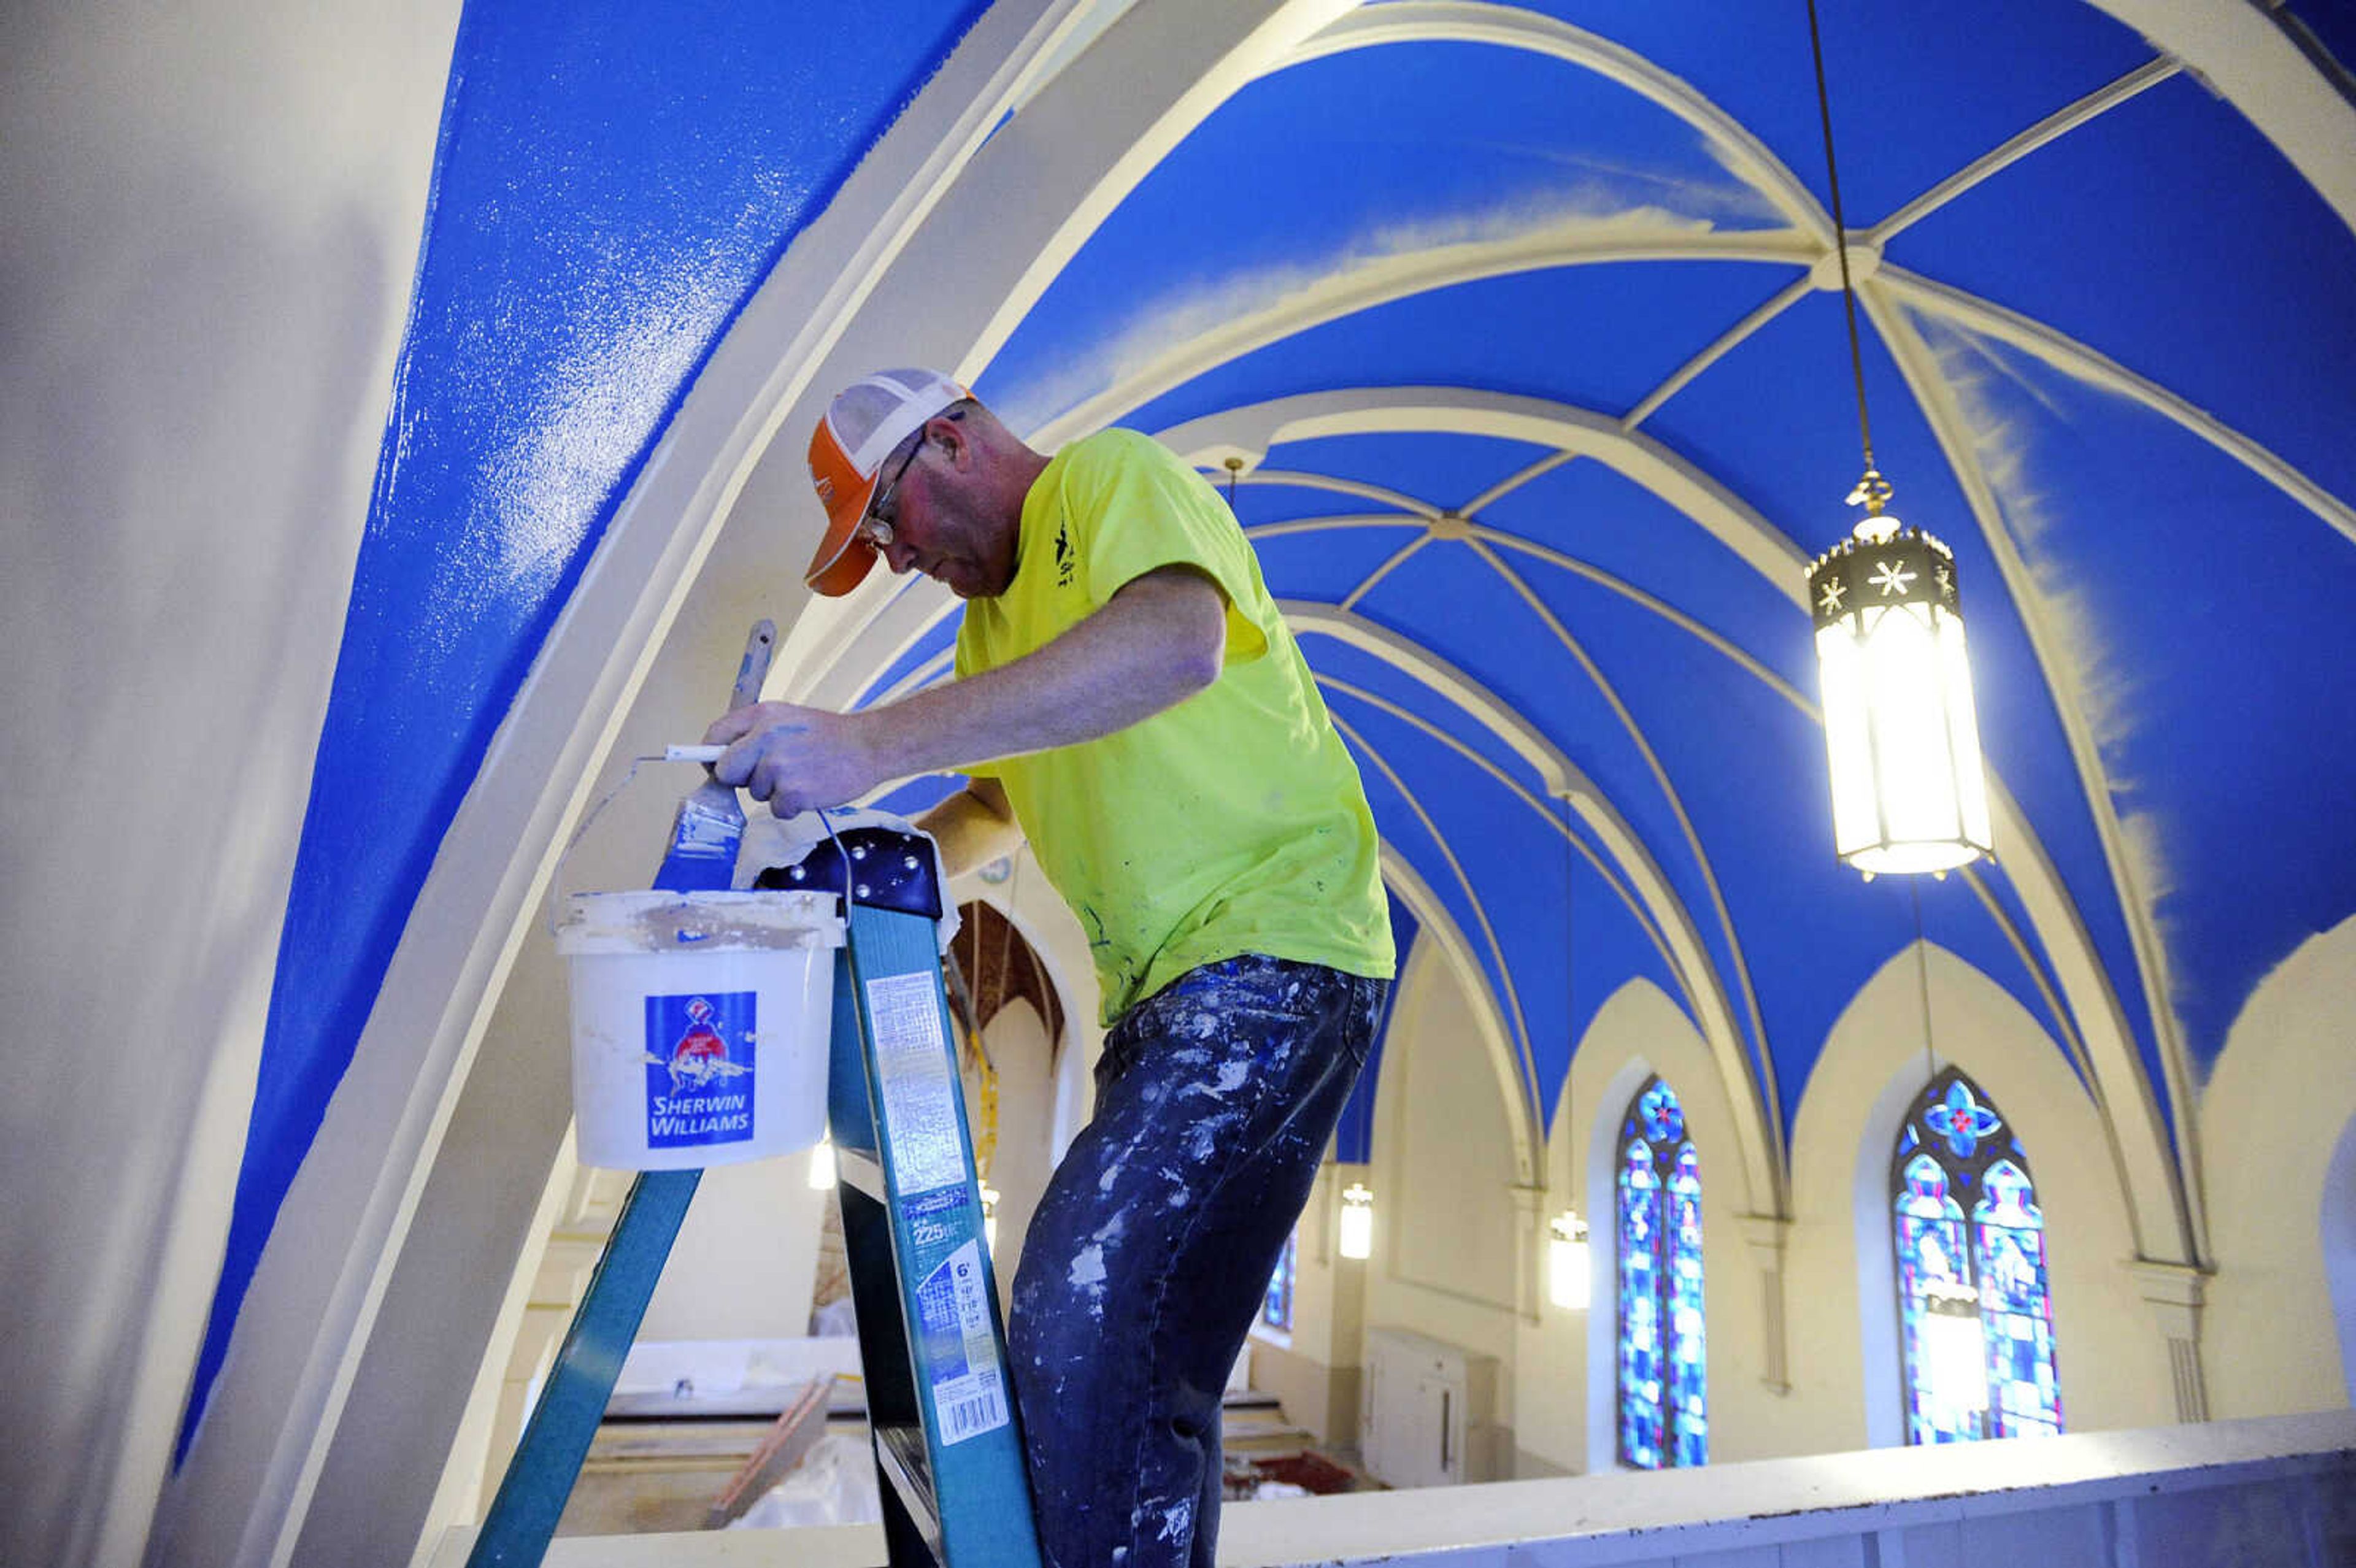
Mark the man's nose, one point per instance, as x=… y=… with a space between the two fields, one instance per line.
x=898 y=557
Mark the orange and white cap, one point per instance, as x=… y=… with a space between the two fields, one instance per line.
x=864 y=423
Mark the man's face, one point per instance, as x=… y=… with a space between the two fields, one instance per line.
x=939 y=528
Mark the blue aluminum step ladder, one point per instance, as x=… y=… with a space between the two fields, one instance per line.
x=939 y=1404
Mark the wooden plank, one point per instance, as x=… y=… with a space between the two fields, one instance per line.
x=789 y=1440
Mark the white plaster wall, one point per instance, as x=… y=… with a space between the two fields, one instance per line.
x=213 y=218
x=2109 y=1351
x=1444 y=1261
x=1314 y=1369
x=746 y=1258
x=2280 y=1106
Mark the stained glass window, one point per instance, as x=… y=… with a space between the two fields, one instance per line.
x=1974 y=1316
x=1276 y=1310
x=1663 y=1403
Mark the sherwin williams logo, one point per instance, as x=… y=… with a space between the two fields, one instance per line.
x=699 y=1064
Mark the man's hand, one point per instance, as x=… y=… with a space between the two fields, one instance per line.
x=794 y=758
x=1155 y=643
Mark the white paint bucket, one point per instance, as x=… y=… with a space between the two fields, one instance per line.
x=701 y=1024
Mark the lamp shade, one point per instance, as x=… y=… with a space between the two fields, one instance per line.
x=1570 y=1271
x=1358 y=1222
x=1909 y=791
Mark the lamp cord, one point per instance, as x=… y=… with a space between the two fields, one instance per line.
x=1570 y=1015
x=1871 y=489
x=1922 y=979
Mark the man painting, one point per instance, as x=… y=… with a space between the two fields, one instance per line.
x=1128 y=700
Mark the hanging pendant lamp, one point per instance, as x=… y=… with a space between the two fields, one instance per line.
x=1901 y=731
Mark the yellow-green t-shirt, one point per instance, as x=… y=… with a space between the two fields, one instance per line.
x=1234 y=822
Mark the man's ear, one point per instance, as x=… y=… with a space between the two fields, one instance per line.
x=951 y=435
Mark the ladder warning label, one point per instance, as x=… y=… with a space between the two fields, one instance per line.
x=913 y=1075
x=969 y=1390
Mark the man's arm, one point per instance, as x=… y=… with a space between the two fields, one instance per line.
x=1155 y=643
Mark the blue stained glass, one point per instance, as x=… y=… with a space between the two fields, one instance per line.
x=1276 y=1311
x=1664 y=1119
x=1930 y=1248
x=1686 y=1335
x=1641 y=1422
x=2014 y=1311
x=1999 y=1257
x=1663 y=1403
x=1961 y=1120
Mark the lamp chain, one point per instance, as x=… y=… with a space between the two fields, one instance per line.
x=1872 y=490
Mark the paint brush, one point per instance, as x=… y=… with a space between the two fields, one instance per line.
x=710 y=826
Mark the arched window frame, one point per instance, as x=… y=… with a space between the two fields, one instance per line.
x=1958 y=1171
x=1662 y=1332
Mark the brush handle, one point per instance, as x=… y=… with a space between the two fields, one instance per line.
x=758 y=648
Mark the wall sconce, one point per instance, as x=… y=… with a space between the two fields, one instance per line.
x=1358 y=1222
x=1571 y=1272
x=821 y=1167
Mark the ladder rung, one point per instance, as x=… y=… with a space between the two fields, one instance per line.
x=855 y=1170
x=900 y=1453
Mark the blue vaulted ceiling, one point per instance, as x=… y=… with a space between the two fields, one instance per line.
x=2113 y=365
x=1511 y=314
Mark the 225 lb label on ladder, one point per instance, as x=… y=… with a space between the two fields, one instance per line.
x=911 y=1062
x=969 y=1388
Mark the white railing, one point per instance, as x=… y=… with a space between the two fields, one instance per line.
x=2277 y=1493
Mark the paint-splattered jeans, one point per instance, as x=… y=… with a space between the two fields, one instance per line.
x=1149 y=1254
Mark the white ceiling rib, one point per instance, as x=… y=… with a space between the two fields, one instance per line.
x=1516 y=480
x=1392 y=563
x=1697 y=971
x=1661 y=780
x=1460 y=21
x=1521 y=792
x=2080 y=363
x=1359 y=488
x=2053 y=127
x=1367 y=410
x=1432 y=913
x=1785 y=298
x=1936 y=398
x=1397 y=278
x=1526 y=1074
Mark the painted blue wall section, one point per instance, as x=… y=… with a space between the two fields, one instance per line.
x=612 y=183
